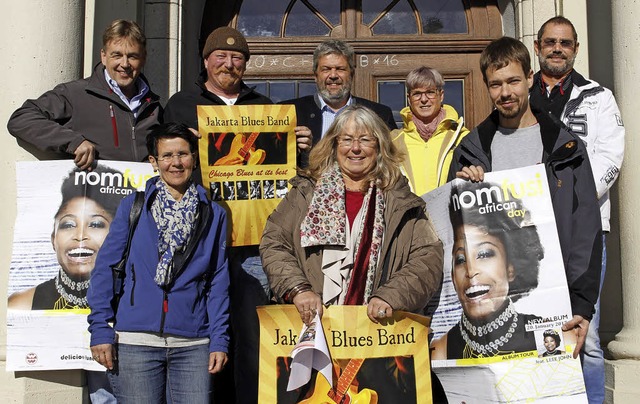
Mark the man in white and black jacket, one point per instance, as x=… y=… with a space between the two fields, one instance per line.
x=589 y=111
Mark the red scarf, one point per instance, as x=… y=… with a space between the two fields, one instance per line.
x=355 y=292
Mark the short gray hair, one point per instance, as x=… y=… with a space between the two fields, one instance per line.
x=424 y=76
x=337 y=47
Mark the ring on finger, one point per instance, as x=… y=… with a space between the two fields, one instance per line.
x=381 y=313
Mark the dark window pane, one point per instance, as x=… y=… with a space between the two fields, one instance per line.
x=282 y=90
x=330 y=9
x=437 y=16
x=260 y=86
x=442 y=16
x=454 y=95
x=303 y=22
x=393 y=95
x=307 y=88
x=371 y=9
x=261 y=18
x=264 y=18
x=399 y=20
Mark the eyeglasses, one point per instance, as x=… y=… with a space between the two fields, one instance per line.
x=551 y=43
x=417 y=95
x=182 y=156
x=364 y=141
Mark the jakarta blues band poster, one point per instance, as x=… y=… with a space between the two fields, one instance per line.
x=497 y=328
x=63 y=216
x=371 y=363
x=247 y=156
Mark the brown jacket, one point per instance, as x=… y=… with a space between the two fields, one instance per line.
x=410 y=263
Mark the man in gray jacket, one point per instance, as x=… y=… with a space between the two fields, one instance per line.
x=106 y=116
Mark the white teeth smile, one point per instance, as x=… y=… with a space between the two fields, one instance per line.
x=476 y=291
x=80 y=252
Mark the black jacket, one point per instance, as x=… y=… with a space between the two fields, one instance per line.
x=573 y=195
x=308 y=114
x=181 y=107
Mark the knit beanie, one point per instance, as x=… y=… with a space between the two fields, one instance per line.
x=226 y=38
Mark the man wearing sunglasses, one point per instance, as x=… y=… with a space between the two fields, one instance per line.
x=590 y=111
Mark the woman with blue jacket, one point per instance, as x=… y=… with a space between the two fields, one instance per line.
x=171 y=327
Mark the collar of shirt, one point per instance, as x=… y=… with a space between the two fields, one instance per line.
x=328 y=114
x=562 y=85
x=133 y=103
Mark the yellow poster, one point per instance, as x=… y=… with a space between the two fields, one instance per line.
x=247 y=156
x=372 y=363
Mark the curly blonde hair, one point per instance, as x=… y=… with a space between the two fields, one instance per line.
x=386 y=171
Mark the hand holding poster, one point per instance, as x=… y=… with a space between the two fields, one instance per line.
x=63 y=217
x=385 y=363
x=247 y=155
x=505 y=294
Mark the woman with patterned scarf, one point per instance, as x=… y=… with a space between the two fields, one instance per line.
x=350 y=231
x=170 y=330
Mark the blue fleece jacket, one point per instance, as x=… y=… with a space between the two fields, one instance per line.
x=194 y=305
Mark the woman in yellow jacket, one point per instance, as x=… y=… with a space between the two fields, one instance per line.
x=430 y=133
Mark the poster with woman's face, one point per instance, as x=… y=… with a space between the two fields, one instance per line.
x=504 y=286
x=63 y=217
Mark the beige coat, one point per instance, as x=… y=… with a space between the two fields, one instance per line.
x=410 y=264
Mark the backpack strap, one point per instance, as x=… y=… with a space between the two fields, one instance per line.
x=134 y=216
x=119 y=269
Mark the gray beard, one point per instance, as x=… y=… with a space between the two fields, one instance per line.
x=556 y=70
x=339 y=96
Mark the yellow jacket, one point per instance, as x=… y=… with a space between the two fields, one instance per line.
x=426 y=164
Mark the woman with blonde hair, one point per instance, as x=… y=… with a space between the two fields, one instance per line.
x=350 y=231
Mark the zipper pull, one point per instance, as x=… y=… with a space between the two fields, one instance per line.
x=165 y=303
x=114 y=126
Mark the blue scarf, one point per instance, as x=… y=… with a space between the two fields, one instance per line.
x=175 y=221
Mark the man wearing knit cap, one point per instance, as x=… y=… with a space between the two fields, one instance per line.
x=225 y=57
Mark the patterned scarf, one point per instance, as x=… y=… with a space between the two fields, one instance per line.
x=326 y=222
x=175 y=220
x=425 y=130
